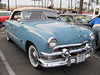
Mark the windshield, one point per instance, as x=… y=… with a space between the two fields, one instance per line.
x=40 y=15
x=67 y=18
x=5 y=13
x=83 y=19
x=51 y=15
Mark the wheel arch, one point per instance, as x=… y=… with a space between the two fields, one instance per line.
x=28 y=43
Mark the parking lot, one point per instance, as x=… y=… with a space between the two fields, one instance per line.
x=14 y=61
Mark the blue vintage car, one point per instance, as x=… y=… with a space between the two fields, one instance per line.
x=48 y=42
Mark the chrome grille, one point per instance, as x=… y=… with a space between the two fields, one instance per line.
x=70 y=47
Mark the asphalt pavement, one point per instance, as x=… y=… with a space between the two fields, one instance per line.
x=14 y=61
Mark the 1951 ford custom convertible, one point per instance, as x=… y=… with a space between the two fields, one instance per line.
x=48 y=42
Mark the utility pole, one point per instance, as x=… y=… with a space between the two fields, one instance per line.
x=8 y=5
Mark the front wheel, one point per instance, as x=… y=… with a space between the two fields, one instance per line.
x=33 y=56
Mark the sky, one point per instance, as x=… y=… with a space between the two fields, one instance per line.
x=29 y=2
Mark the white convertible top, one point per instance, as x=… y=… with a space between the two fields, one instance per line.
x=31 y=8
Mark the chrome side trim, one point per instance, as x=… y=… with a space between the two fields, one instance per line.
x=15 y=36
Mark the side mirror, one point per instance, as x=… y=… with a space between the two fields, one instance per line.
x=19 y=20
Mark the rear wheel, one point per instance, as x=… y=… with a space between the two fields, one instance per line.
x=33 y=56
x=9 y=39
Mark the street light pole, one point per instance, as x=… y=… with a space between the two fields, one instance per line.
x=8 y=5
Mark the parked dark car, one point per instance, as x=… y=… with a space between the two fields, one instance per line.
x=76 y=19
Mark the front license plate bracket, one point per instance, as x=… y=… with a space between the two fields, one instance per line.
x=80 y=58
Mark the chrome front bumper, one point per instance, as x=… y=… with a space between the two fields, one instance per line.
x=55 y=59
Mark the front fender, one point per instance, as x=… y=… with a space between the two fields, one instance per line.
x=38 y=38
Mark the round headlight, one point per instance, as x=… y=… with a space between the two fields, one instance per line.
x=52 y=42
x=92 y=36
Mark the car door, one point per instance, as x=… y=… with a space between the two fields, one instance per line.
x=16 y=28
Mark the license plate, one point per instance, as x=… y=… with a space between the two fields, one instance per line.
x=80 y=58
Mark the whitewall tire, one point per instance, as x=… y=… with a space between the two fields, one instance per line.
x=33 y=56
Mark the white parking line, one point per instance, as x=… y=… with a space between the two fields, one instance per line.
x=2 y=32
x=3 y=35
x=96 y=56
x=8 y=67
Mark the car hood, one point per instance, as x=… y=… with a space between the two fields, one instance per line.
x=63 y=32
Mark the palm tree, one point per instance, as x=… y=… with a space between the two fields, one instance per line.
x=71 y=4
x=78 y=2
x=38 y=3
x=60 y=4
x=8 y=5
x=81 y=7
x=92 y=1
x=89 y=4
x=97 y=2
x=51 y=2
x=42 y=3
x=16 y=3
x=47 y=3
x=75 y=4
x=0 y=1
x=68 y=4
x=85 y=5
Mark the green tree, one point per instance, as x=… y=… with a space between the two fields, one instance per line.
x=97 y=2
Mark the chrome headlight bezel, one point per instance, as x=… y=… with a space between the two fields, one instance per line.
x=91 y=36
x=52 y=42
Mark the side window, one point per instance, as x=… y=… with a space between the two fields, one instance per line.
x=16 y=15
x=34 y=15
